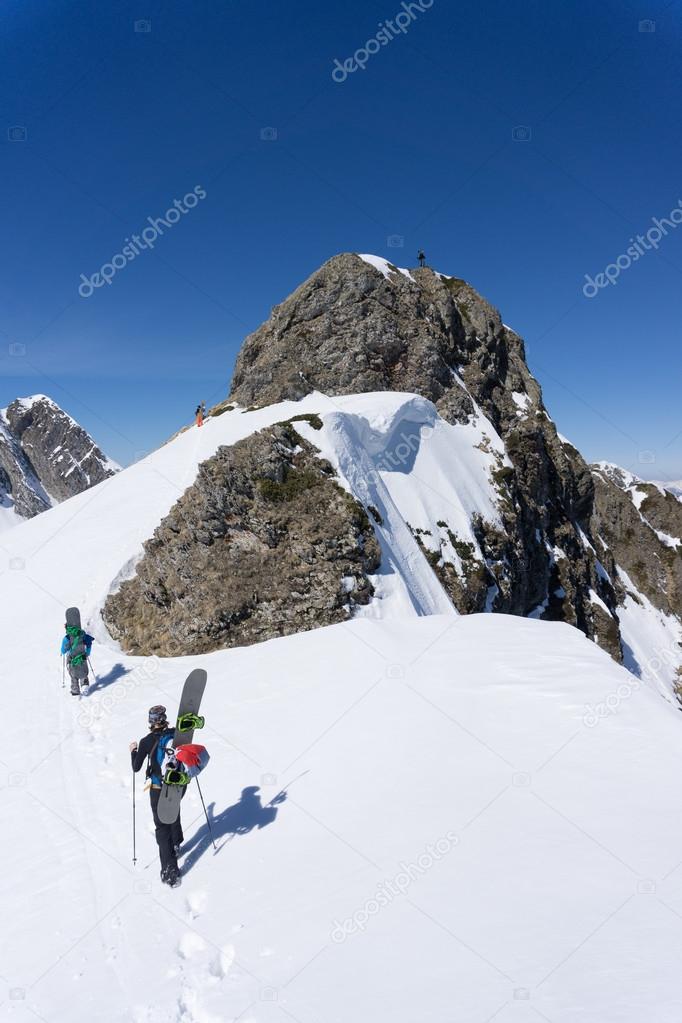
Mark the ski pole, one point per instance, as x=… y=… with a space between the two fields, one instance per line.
x=63 y=661
x=91 y=668
x=210 y=830
x=134 y=849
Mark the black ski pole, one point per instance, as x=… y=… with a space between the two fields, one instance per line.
x=134 y=848
x=210 y=830
x=94 y=675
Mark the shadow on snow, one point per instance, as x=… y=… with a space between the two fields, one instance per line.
x=113 y=675
x=238 y=819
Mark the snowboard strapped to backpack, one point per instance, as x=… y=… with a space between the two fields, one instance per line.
x=170 y=766
x=193 y=758
x=184 y=763
x=176 y=776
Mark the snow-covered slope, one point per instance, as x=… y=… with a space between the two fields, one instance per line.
x=481 y=819
x=646 y=547
x=392 y=450
x=425 y=477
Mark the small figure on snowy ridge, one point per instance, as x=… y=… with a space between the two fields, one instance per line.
x=76 y=647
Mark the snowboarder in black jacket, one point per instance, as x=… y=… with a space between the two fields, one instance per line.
x=151 y=748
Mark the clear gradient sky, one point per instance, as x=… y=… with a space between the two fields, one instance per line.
x=521 y=143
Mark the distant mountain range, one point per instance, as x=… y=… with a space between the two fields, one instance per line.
x=45 y=458
x=674 y=486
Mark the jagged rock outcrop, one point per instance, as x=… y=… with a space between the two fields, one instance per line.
x=641 y=525
x=20 y=488
x=359 y=326
x=264 y=543
x=45 y=456
x=266 y=508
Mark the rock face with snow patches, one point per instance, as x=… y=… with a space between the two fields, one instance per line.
x=45 y=456
x=432 y=420
x=265 y=543
x=641 y=524
x=361 y=324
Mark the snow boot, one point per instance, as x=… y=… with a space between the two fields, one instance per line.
x=75 y=688
x=171 y=877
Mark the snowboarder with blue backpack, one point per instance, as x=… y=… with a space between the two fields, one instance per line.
x=152 y=748
x=76 y=647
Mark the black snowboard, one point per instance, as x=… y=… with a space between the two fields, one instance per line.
x=73 y=617
x=190 y=701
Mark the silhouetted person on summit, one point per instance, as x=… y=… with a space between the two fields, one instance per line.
x=421 y=257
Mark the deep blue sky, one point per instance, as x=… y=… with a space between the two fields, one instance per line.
x=420 y=144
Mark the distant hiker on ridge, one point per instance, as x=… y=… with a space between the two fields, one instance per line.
x=152 y=748
x=76 y=647
x=421 y=257
x=200 y=412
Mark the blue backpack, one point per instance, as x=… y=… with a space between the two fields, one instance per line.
x=155 y=765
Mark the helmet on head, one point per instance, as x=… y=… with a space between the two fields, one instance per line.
x=157 y=716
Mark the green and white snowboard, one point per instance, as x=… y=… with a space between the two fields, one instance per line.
x=190 y=702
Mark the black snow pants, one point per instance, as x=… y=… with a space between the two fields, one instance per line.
x=167 y=835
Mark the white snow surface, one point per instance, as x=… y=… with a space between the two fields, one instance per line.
x=422 y=475
x=8 y=517
x=667 y=539
x=596 y=599
x=651 y=639
x=384 y=266
x=465 y=835
x=522 y=402
x=34 y=399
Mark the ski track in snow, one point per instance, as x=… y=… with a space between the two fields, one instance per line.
x=558 y=895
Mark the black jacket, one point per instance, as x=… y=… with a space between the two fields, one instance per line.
x=147 y=747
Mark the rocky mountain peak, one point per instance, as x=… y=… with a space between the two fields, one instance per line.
x=361 y=324
x=45 y=456
x=527 y=527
